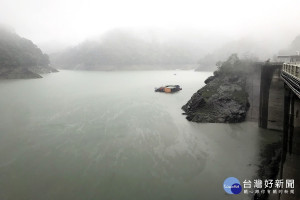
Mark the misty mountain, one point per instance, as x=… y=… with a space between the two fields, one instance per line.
x=292 y=48
x=246 y=48
x=20 y=57
x=126 y=50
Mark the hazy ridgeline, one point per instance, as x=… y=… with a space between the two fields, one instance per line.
x=122 y=49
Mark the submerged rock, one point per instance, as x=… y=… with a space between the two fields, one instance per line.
x=42 y=69
x=18 y=73
x=25 y=72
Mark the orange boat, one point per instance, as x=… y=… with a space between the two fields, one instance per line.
x=168 y=88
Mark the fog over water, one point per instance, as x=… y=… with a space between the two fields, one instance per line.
x=56 y=24
x=107 y=135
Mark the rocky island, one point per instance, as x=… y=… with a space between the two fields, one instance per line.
x=224 y=98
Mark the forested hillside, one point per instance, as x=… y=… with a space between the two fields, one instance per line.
x=123 y=50
x=20 y=57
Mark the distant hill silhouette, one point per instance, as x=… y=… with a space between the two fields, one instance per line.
x=246 y=48
x=124 y=50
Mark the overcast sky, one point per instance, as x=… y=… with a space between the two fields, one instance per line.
x=72 y=21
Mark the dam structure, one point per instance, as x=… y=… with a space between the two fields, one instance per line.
x=290 y=160
x=274 y=96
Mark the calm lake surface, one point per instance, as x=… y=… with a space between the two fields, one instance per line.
x=77 y=135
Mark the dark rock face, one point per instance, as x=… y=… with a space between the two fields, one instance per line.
x=197 y=101
x=209 y=79
x=223 y=99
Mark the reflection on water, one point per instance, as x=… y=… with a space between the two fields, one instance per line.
x=108 y=135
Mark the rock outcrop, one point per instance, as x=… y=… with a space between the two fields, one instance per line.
x=223 y=99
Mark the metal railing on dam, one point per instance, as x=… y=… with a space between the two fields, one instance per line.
x=291 y=76
x=293 y=69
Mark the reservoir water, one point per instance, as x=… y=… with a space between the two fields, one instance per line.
x=78 y=135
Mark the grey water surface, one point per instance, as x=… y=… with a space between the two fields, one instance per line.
x=79 y=135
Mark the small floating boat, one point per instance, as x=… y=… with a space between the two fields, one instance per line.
x=168 y=88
